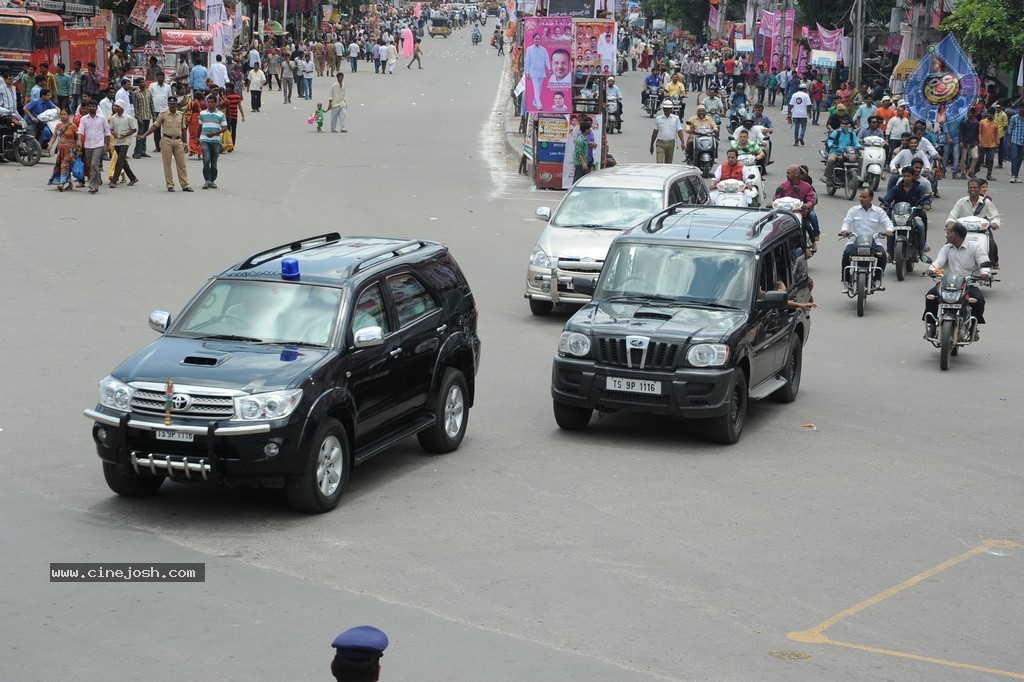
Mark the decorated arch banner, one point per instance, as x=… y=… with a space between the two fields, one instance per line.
x=944 y=84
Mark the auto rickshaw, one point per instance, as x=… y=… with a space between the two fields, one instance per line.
x=439 y=27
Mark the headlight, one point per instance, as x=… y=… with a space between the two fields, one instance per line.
x=273 y=405
x=950 y=295
x=541 y=259
x=708 y=355
x=574 y=343
x=115 y=394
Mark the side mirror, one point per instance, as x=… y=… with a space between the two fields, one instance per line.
x=368 y=337
x=159 y=320
x=773 y=300
x=926 y=259
x=543 y=212
x=584 y=285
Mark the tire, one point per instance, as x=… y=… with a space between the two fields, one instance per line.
x=792 y=371
x=705 y=169
x=908 y=263
x=538 y=307
x=900 y=259
x=852 y=184
x=945 y=344
x=862 y=292
x=27 y=151
x=319 y=488
x=728 y=428
x=874 y=180
x=131 y=484
x=570 y=417
x=451 y=415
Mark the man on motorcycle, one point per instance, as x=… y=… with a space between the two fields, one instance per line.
x=699 y=124
x=912 y=192
x=714 y=104
x=974 y=204
x=860 y=220
x=612 y=90
x=675 y=86
x=744 y=145
x=731 y=169
x=838 y=141
x=958 y=257
x=905 y=157
x=872 y=129
x=738 y=100
x=796 y=187
x=762 y=119
x=652 y=84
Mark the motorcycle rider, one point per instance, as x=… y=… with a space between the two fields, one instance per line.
x=872 y=129
x=612 y=90
x=730 y=169
x=912 y=192
x=736 y=101
x=974 y=204
x=837 y=141
x=905 y=157
x=652 y=84
x=695 y=125
x=762 y=119
x=796 y=187
x=860 y=220
x=744 y=145
x=714 y=104
x=958 y=257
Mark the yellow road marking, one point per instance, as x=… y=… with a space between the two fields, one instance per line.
x=816 y=634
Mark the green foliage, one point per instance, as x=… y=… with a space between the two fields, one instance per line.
x=988 y=31
x=689 y=15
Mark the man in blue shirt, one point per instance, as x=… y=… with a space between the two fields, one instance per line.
x=651 y=83
x=32 y=111
x=197 y=77
x=839 y=140
x=1015 y=138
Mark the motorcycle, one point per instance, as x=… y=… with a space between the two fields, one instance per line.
x=476 y=36
x=705 y=150
x=736 y=117
x=978 y=230
x=862 y=276
x=872 y=161
x=15 y=142
x=614 y=124
x=844 y=173
x=731 y=193
x=906 y=221
x=680 y=106
x=955 y=326
x=754 y=179
x=652 y=100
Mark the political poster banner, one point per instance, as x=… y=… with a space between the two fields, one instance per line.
x=594 y=47
x=547 y=64
x=571 y=8
x=145 y=14
x=573 y=131
x=215 y=12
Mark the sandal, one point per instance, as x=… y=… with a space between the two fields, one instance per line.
x=60 y=188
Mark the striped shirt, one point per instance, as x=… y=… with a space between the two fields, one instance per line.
x=211 y=123
x=233 y=99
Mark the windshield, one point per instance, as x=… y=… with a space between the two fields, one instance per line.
x=268 y=312
x=610 y=208
x=15 y=37
x=682 y=274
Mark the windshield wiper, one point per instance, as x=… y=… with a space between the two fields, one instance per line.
x=228 y=337
x=585 y=225
x=707 y=303
x=641 y=297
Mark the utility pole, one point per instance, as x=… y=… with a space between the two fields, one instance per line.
x=857 y=58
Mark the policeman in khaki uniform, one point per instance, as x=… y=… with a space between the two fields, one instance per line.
x=171 y=124
x=357 y=654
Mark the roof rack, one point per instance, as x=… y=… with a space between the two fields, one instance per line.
x=770 y=215
x=395 y=250
x=659 y=218
x=301 y=245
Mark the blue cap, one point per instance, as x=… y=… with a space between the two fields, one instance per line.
x=364 y=641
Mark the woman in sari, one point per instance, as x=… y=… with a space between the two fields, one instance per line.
x=193 y=110
x=65 y=142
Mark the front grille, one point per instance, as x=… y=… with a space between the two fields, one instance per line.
x=659 y=355
x=635 y=398
x=203 y=406
x=577 y=266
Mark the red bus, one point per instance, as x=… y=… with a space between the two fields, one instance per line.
x=36 y=37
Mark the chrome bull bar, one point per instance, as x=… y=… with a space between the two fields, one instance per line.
x=158 y=464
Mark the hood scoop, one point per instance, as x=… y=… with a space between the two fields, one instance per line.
x=205 y=360
x=651 y=315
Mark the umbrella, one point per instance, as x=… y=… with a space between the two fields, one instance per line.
x=905 y=68
x=273 y=27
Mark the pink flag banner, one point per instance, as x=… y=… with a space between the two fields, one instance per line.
x=832 y=40
x=895 y=43
x=769 y=24
x=713 y=21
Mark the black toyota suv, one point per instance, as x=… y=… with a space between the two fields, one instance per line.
x=293 y=366
x=691 y=317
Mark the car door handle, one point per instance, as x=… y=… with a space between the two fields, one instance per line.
x=442 y=328
x=396 y=352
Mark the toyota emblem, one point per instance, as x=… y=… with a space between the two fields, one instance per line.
x=181 y=402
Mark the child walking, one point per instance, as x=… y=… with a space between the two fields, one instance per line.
x=319 y=117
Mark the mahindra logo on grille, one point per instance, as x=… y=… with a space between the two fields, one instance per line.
x=637 y=343
x=181 y=402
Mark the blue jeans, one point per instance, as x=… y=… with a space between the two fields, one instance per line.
x=951 y=156
x=1016 y=156
x=309 y=88
x=817 y=112
x=799 y=128
x=211 y=151
x=355 y=63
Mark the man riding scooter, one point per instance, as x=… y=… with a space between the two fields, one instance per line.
x=699 y=124
x=744 y=145
x=912 y=192
x=838 y=141
x=732 y=169
x=974 y=204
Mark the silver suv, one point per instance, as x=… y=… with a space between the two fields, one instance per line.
x=593 y=212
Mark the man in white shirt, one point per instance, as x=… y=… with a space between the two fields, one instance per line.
x=353 y=55
x=337 y=105
x=865 y=219
x=159 y=91
x=308 y=70
x=124 y=97
x=667 y=128
x=105 y=106
x=122 y=128
x=958 y=257
x=256 y=79
x=339 y=53
x=254 y=58
x=536 y=65
x=607 y=51
x=799 y=105
x=974 y=204
x=219 y=72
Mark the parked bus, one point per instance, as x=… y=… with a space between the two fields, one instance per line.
x=37 y=37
